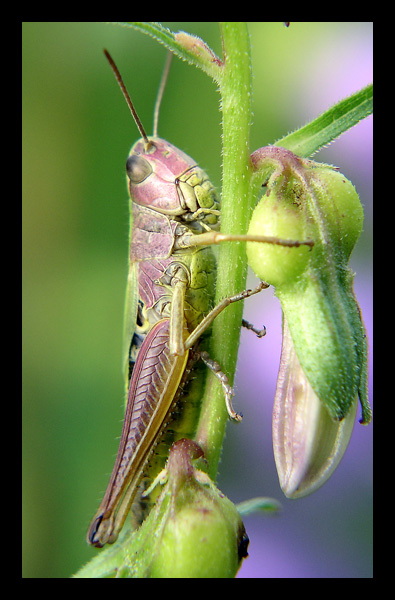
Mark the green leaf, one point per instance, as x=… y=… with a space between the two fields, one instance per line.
x=260 y=504
x=307 y=140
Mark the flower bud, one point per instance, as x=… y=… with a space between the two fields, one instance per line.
x=276 y=264
x=314 y=285
x=198 y=531
x=324 y=359
x=308 y=444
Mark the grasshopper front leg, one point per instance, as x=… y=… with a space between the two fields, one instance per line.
x=214 y=237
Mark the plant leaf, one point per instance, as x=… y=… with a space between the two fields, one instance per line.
x=260 y=504
x=331 y=124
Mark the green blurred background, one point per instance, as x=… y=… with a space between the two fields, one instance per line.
x=77 y=132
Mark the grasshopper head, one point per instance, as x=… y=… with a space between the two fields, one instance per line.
x=162 y=177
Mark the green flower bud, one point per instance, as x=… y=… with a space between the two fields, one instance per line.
x=197 y=531
x=340 y=203
x=200 y=541
x=193 y=531
x=315 y=288
x=314 y=411
x=272 y=263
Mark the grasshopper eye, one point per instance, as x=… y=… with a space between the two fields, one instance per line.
x=137 y=168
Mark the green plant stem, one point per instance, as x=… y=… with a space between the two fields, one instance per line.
x=235 y=89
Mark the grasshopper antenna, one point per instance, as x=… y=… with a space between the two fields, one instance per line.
x=128 y=100
x=161 y=90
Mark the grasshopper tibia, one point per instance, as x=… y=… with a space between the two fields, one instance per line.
x=228 y=390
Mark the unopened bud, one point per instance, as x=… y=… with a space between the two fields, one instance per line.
x=308 y=444
x=324 y=359
x=199 y=532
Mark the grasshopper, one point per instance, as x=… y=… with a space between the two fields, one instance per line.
x=171 y=283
